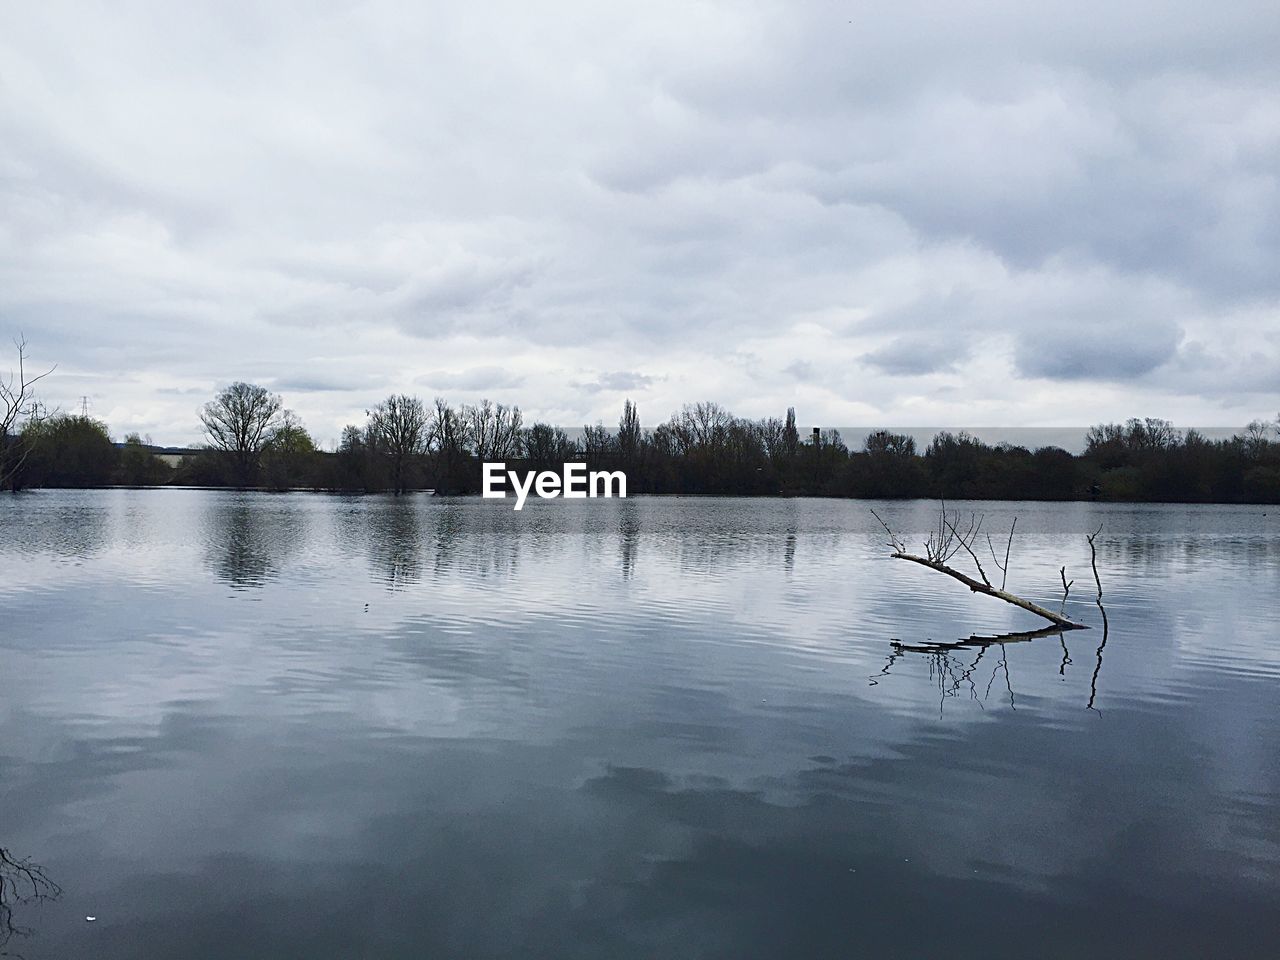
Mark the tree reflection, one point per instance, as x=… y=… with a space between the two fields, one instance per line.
x=247 y=539
x=789 y=550
x=450 y=525
x=21 y=882
x=75 y=530
x=628 y=537
x=395 y=543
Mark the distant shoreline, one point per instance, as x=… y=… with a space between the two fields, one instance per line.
x=430 y=493
x=254 y=442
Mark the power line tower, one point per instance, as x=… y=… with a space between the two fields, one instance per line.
x=84 y=407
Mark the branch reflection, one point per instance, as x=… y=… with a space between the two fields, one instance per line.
x=953 y=672
x=21 y=882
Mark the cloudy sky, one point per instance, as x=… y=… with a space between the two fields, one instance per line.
x=879 y=213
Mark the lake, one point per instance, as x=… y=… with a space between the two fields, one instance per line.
x=252 y=725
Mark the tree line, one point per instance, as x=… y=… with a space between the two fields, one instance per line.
x=407 y=444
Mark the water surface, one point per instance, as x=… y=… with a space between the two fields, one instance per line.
x=245 y=725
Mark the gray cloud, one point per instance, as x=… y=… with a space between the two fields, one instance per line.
x=306 y=384
x=1097 y=350
x=801 y=370
x=915 y=356
x=1084 y=197
x=472 y=379
x=618 y=381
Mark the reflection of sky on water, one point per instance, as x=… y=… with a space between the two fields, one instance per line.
x=255 y=726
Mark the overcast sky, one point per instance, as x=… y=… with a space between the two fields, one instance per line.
x=879 y=213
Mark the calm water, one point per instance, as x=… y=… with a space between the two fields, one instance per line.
x=303 y=726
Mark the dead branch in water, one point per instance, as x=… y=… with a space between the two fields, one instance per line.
x=1093 y=561
x=948 y=540
x=1106 y=628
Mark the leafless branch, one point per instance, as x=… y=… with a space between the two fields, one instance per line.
x=965 y=539
x=1004 y=568
x=947 y=541
x=894 y=542
x=1106 y=627
x=1066 y=589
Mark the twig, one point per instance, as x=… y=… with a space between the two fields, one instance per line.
x=894 y=542
x=1008 y=546
x=964 y=542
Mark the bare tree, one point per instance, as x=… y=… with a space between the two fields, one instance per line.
x=240 y=422
x=506 y=441
x=450 y=434
x=885 y=444
x=1256 y=439
x=773 y=439
x=597 y=441
x=18 y=407
x=953 y=535
x=1152 y=433
x=400 y=424
x=479 y=420
x=706 y=423
x=448 y=428
x=493 y=430
x=546 y=446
